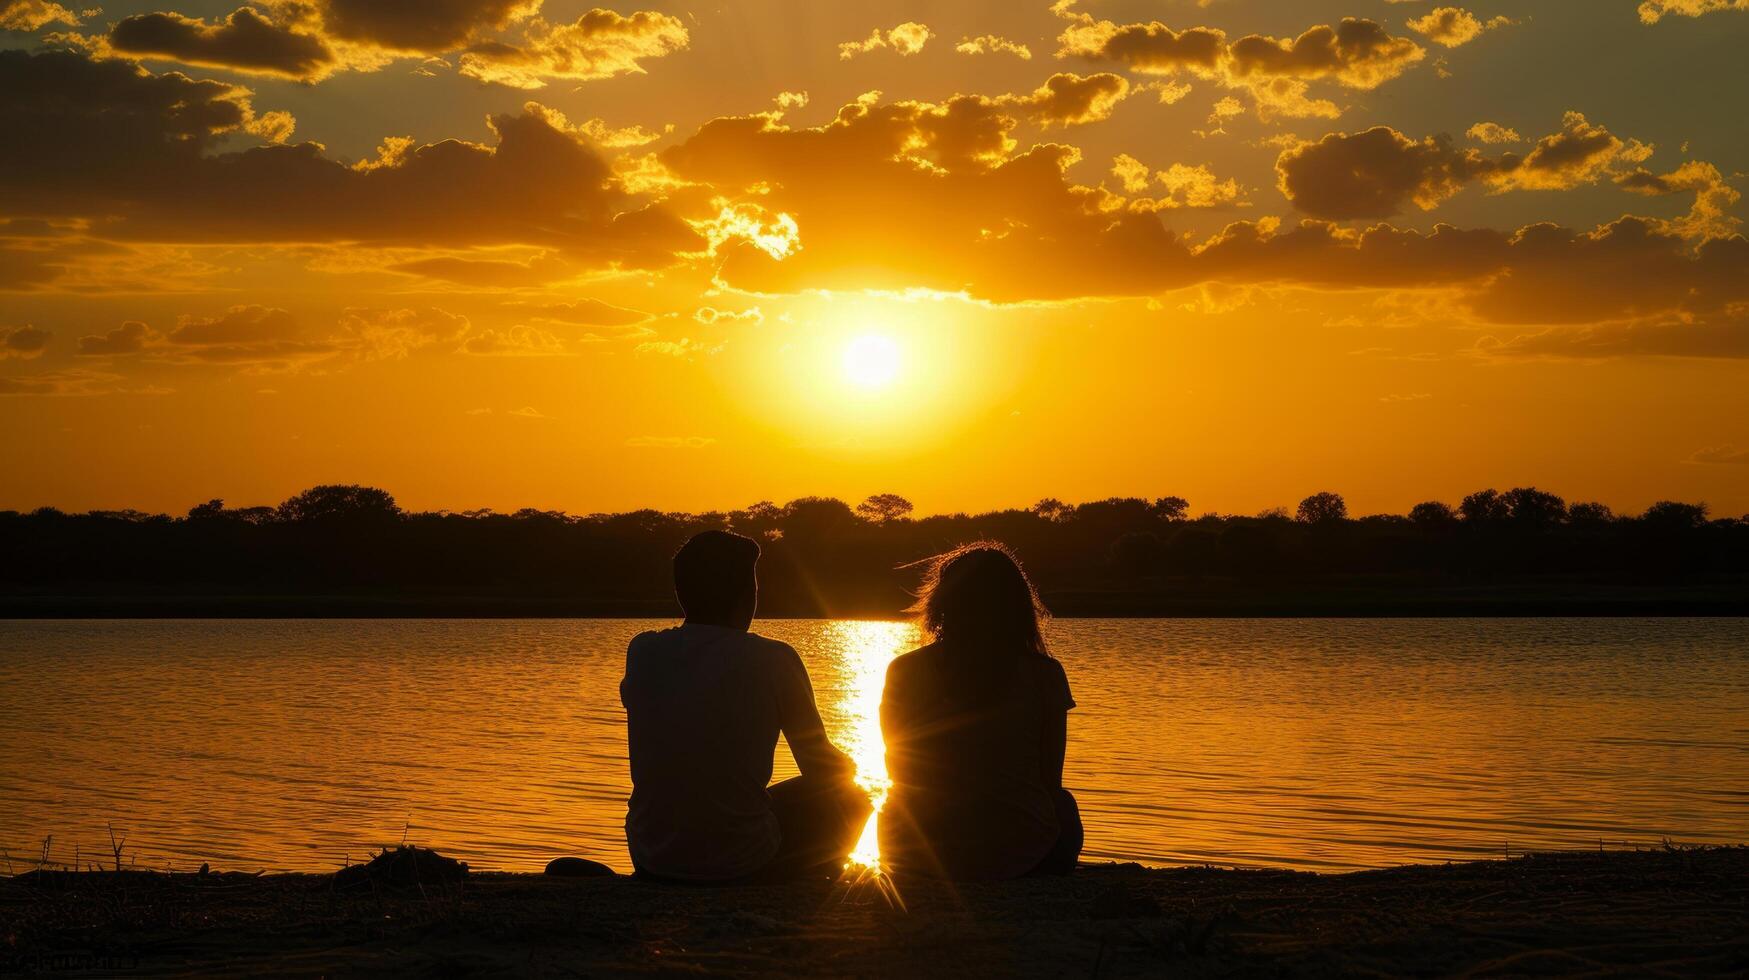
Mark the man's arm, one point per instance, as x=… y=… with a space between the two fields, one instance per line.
x=799 y=717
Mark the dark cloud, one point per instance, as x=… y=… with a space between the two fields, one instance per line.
x=244 y=41
x=139 y=152
x=418 y=26
x=131 y=337
x=23 y=342
x=1373 y=174
x=1379 y=172
x=1068 y=99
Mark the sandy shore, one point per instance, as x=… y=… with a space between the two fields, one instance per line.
x=1676 y=913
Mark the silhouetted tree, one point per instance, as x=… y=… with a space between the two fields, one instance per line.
x=213 y=508
x=1052 y=509
x=884 y=507
x=1671 y=515
x=1431 y=513
x=1171 y=508
x=1590 y=513
x=339 y=502
x=1484 y=506
x=1322 y=508
x=1534 y=508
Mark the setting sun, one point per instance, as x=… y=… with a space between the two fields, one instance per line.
x=871 y=361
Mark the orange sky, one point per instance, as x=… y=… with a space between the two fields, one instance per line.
x=510 y=253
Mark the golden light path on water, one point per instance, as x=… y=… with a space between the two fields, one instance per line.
x=866 y=648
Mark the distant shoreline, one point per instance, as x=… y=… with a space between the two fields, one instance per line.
x=1720 y=599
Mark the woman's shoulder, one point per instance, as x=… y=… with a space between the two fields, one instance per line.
x=909 y=663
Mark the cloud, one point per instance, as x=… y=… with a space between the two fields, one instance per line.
x=905 y=39
x=963 y=210
x=1487 y=132
x=31 y=15
x=1356 y=53
x=669 y=442
x=245 y=41
x=540 y=269
x=1454 y=26
x=1706 y=338
x=237 y=325
x=1067 y=99
x=529 y=412
x=1379 y=172
x=685 y=348
x=710 y=314
x=1720 y=456
x=1186 y=186
x=74 y=382
x=23 y=342
x=131 y=337
x=426 y=27
x=520 y=340
x=108 y=141
x=1652 y=11
x=590 y=312
x=599 y=44
x=1710 y=215
x=397 y=333
x=993 y=44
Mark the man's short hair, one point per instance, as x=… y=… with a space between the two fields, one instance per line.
x=713 y=572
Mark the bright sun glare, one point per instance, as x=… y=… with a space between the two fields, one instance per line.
x=871 y=361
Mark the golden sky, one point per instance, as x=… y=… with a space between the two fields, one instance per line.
x=507 y=253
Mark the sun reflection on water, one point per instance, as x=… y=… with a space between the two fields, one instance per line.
x=865 y=648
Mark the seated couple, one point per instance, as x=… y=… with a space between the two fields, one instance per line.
x=975 y=726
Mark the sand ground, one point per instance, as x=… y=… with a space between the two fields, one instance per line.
x=1646 y=913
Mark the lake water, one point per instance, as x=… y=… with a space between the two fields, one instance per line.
x=1323 y=744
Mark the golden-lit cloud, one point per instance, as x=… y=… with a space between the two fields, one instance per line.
x=1710 y=216
x=1454 y=26
x=710 y=314
x=1067 y=99
x=905 y=39
x=993 y=44
x=397 y=333
x=1379 y=172
x=599 y=44
x=1185 y=186
x=1009 y=227
x=1488 y=132
x=31 y=15
x=520 y=340
x=245 y=40
x=1356 y=53
x=1652 y=11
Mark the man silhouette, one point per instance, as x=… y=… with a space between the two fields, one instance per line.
x=704 y=703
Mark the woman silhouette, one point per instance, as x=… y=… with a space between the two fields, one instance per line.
x=976 y=726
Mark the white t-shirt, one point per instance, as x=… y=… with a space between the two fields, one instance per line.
x=704 y=706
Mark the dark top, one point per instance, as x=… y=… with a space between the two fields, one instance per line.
x=704 y=706
x=974 y=780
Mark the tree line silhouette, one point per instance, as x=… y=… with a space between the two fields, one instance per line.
x=350 y=549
